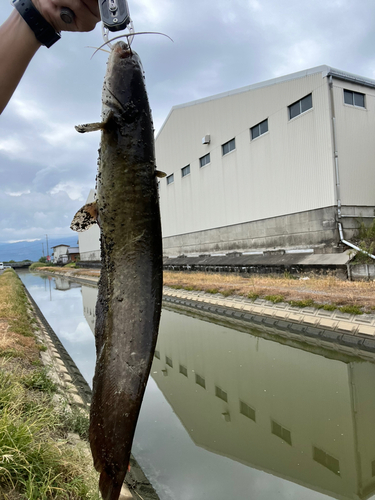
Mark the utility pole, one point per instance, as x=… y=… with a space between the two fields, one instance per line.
x=47 y=246
x=43 y=248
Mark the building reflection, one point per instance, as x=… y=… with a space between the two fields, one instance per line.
x=300 y=416
x=63 y=284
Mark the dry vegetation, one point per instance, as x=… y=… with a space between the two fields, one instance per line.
x=308 y=290
x=322 y=291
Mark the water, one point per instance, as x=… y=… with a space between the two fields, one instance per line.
x=228 y=414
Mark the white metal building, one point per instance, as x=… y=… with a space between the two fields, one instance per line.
x=275 y=165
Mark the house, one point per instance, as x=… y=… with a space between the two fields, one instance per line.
x=73 y=254
x=59 y=254
x=285 y=165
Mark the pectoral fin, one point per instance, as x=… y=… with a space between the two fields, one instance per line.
x=90 y=127
x=85 y=217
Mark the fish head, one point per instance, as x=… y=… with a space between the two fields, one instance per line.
x=124 y=83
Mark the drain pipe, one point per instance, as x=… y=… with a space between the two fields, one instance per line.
x=336 y=154
x=351 y=244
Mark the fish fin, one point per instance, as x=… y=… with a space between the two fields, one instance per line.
x=90 y=127
x=109 y=488
x=85 y=217
x=160 y=174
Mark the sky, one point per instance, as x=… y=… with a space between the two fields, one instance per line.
x=47 y=168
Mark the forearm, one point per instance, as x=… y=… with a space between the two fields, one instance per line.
x=17 y=47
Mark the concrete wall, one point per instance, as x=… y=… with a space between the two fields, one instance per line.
x=315 y=228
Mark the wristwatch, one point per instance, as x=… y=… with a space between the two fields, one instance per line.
x=44 y=32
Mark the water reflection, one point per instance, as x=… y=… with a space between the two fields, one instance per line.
x=251 y=418
x=61 y=303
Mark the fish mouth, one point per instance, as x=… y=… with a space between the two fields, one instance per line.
x=122 y=50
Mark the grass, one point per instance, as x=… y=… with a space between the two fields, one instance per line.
x=33 y=464
x=14 y=304
x=40 y=264
x=36 y=463
x=275 y=299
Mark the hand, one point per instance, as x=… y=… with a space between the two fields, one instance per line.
x=86 y=13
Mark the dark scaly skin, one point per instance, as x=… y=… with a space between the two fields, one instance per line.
x=130 y=286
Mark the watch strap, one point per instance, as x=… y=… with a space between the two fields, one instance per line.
x=43 y=30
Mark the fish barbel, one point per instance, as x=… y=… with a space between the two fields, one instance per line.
x=130 y=285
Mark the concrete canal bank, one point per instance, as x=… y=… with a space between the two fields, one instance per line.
x=72 y=385
x=329 y=329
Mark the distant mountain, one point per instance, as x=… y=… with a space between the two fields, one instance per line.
x=32 y=250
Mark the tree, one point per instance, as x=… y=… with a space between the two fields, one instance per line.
x=43 y=259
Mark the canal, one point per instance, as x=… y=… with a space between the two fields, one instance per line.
x=228 y=414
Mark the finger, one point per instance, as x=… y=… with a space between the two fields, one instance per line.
x=85 y=19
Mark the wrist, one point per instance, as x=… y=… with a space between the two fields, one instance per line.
x=43 y=31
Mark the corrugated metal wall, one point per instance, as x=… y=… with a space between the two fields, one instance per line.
x=287 y=170
x=356 y=145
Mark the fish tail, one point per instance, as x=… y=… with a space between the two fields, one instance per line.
x=109 y=487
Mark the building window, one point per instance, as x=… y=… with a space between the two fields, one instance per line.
x=354 y=98
x=169 y=361
x=326 y=460
x=200 y=381
x=157 y=354
x=247 y=410
x=185 y=171
x=170 y=179
x=183 y=370
x=300 y=106
x=259 y=129
x=281 y=432
x=204 y=160
x=228 y=146
x=219 y=393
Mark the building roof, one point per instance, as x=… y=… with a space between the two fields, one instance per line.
x=324 y=70
x=61 y=245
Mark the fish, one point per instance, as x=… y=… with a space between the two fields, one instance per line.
x=130 y=286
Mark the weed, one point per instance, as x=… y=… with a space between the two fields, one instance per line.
x=302 y=303
x=329 y=307
x=229 y=292
x=212 y=290
x=42 y=347
x=11 y=353
x=275 y=298
x=40 y=381
x=253 y=296
x=289 y=276
x=366 y=236
x=189 y=288
x=351 y=309
x=76 y=421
